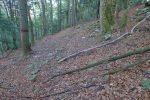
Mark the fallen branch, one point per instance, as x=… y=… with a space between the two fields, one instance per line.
x=41 y=97
x=5 y=88
x=104 y=61
x=104 y=44
x=54 y=94
x=108 y=73
x=132 y=30
x=89 y=49
x=116 y=70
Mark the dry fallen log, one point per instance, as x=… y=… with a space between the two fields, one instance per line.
x=122 y=69
x=104 y=44
x=104 y=61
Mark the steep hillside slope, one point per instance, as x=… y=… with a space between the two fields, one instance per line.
x=22 y=78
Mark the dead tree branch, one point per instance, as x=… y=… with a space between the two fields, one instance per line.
x=122 y=69
x=54 y=94
x=94 y=47
x=41 y=97
x=104 y=61
x=106 y=43
x=113 y=71
x=116 y=70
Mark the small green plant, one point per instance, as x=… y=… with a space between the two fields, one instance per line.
x=146 y=83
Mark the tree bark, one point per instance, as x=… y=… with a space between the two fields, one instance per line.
x=24 y=27
x=44 y=27
x=59 y=15
x=101 y=15
x=36 y=25
x=98 y=9
x=67 y=13
x=31 y=26
x=51 y=16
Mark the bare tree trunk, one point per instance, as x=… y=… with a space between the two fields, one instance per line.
x=59 y=15
x=67 y=13
x=101 y=15
x=12 y=21
x=31 y=27
x=40 y=27
x=24 y=27
x=51 y=16
x=73 y=13
x=35 y=27
x=44 y=28
x=70 y=13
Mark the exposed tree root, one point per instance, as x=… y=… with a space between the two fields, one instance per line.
x=104 y=44
x=104 y=61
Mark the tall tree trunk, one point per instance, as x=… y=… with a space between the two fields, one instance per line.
x=98 y=9
x=36 y=25
x=107 y=17
x=73 y=13
x=44 y=25
x=67 y=13
x=70 y=13
x=101 y=15
x=12 y=22
x=51 y=16
x=40 y=26
x=31 y=27
x=59 y=15
x=24 y=27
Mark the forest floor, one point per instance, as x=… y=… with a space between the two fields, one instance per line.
x=22 y=79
